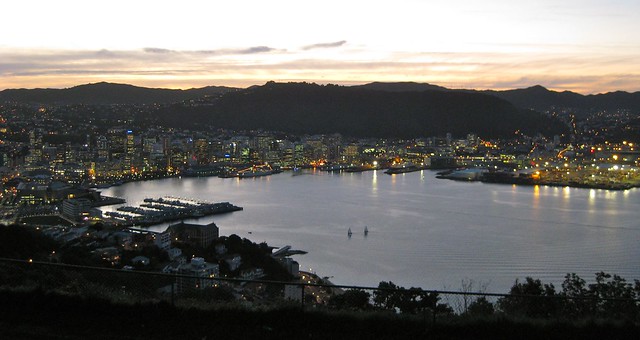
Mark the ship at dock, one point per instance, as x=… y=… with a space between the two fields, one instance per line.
x=248 y=171
x=255 y=171
x=403 y=168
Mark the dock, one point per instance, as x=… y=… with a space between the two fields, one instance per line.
x=167 y=209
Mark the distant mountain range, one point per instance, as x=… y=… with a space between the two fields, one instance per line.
x=541 y=99
x=536 y=97
x=109 y=93
x=359 y=111
x=404 y=109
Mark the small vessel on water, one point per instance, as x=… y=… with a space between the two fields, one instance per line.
x=401 y=168
x=349 y=233
x=366 y=231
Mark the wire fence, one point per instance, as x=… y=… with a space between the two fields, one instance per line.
x=308 y=292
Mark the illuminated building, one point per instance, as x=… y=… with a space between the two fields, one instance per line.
x=197 y=274
x=76 y=209
x=195 y=234
x=129 y=151
x=201 y=151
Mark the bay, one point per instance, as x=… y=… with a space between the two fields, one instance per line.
x=423 y=232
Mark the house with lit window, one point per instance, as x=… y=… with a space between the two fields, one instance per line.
x=196 y=274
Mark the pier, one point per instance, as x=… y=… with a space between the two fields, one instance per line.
x=167 y=209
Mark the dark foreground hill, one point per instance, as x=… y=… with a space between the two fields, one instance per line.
x=108 y=93
x=353 y=111
x=40 y=315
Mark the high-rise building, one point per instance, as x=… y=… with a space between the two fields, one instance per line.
x=35 y=147
x=201 y=151
x=129 y=151
x=148 y=144
x=351 y=152
x=102 y=145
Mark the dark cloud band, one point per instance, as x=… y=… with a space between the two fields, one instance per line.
x=325 y=45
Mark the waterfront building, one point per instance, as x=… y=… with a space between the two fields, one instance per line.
x=201 y=151
x=76 y=209
x=263 y=145
x=162 y=240
x=299 y=154
x=195 y=234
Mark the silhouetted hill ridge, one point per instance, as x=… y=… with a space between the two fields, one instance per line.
x=537 y=97
x=109 y=93
x=372 y=110
x=359 y=111
x=401 y=87
x=540 y=98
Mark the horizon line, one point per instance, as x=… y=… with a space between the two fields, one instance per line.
x=338 y=83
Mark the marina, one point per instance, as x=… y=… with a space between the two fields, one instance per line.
x=166 y=209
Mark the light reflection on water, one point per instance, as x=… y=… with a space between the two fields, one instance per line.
x=423 y=231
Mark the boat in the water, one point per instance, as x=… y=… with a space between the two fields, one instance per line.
x=402 y=168
x=366 y=231
x=255 y=171
x=349 y=233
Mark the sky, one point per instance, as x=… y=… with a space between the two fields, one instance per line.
x=585 y=46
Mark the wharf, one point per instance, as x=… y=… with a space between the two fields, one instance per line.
x=161 y=210
x=106 y=200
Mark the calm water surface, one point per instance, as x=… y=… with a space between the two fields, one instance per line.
x=423 y=232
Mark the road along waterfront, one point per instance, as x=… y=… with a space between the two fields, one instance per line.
x=423 y=232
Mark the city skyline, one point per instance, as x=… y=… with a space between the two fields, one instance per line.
x=582 y=46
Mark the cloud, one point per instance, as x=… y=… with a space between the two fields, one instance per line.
x=257 y=64
x=157 y=50
x=257 y=49
x=325 y=45
x=230 y=51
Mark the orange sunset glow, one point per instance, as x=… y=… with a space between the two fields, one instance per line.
x=582 y=46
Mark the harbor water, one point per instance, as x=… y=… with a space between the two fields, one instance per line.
x=422 y=231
